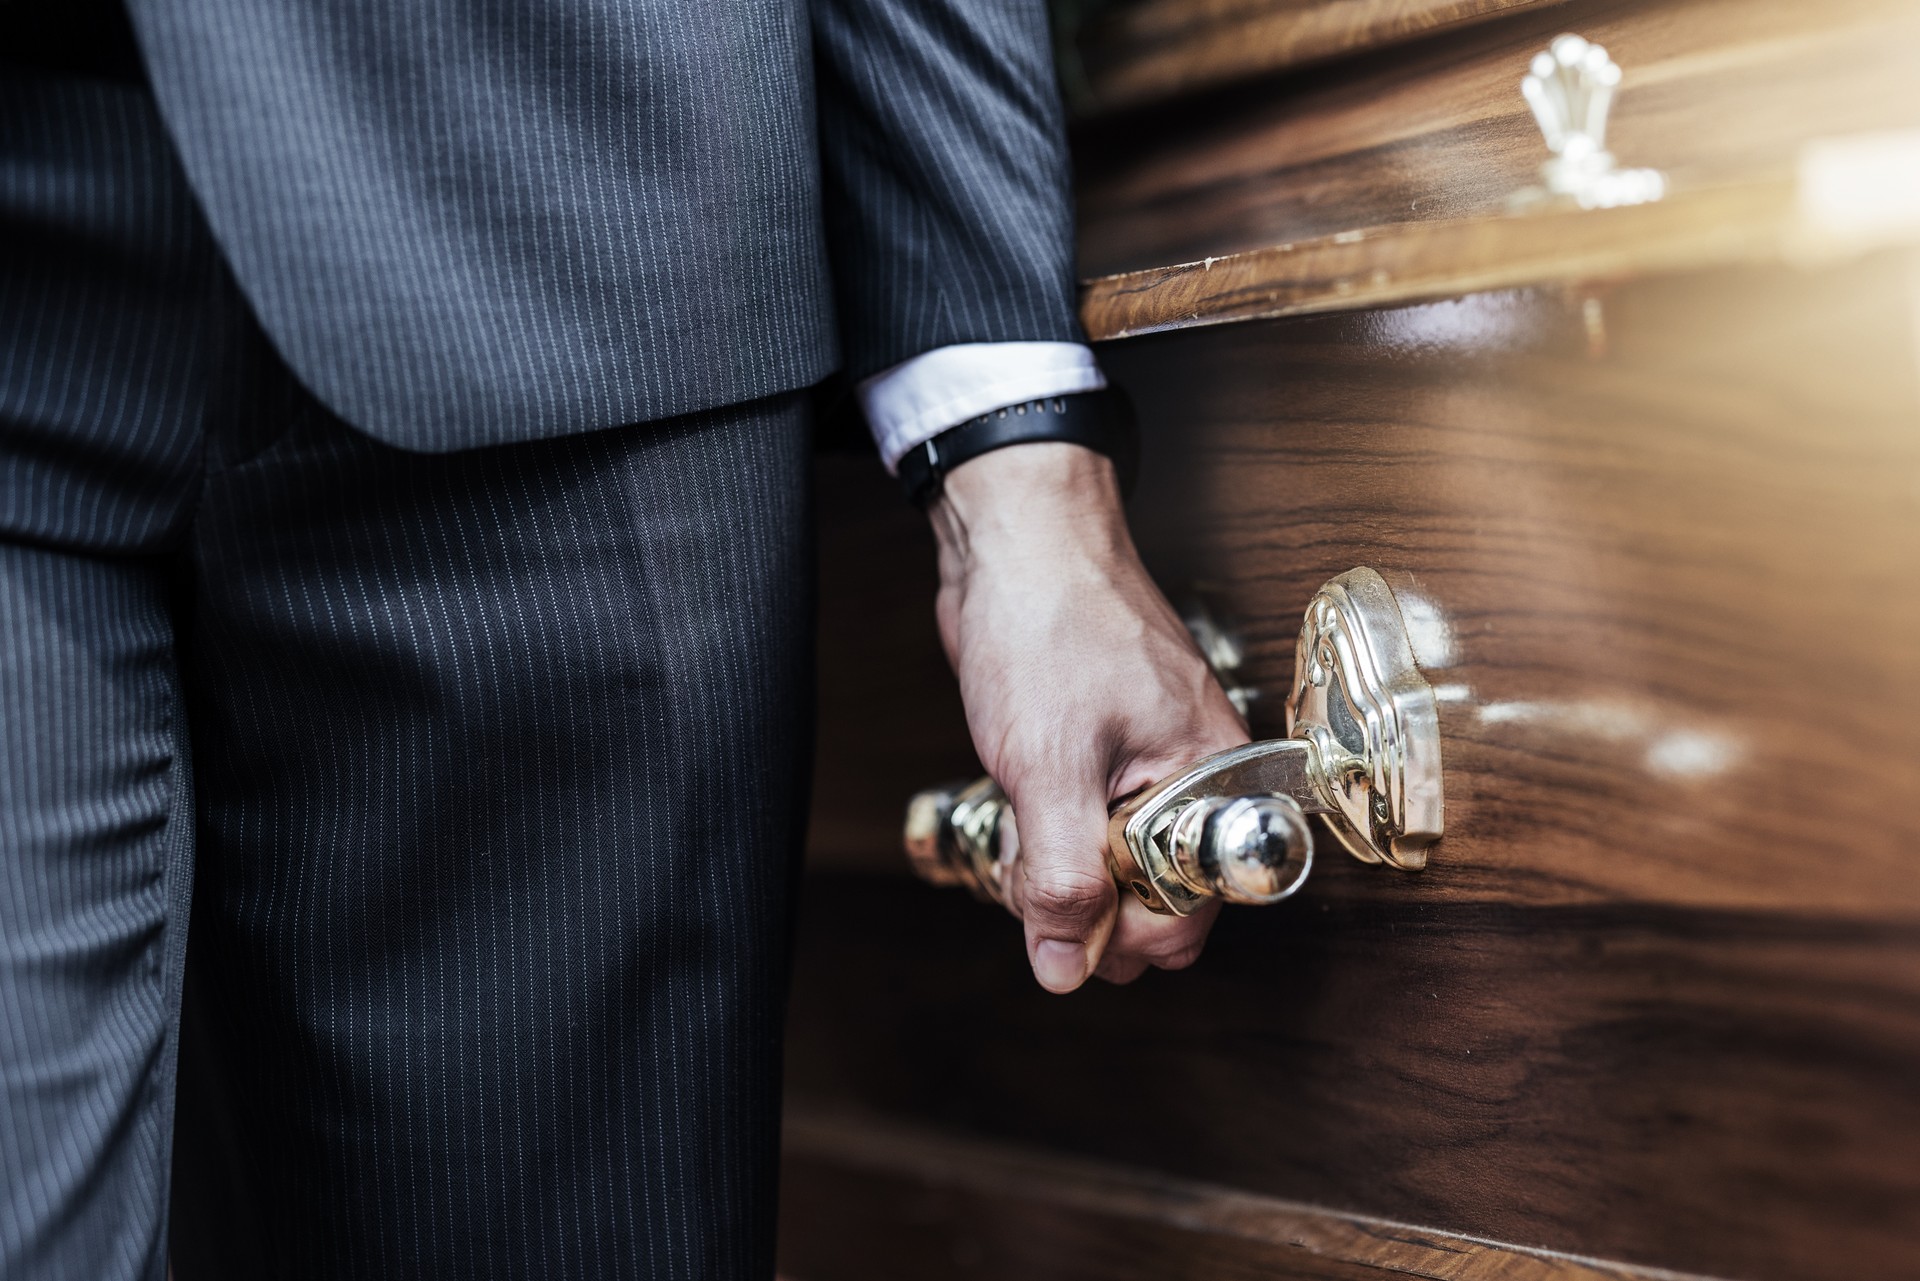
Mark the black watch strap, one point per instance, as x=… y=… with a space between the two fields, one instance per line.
x=1100 y=420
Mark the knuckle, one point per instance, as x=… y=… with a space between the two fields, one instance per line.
x=1066 y=894
x=1120 y=972
x=1181 y=956
x=1178 y=947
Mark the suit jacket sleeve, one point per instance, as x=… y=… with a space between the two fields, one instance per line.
x=948 y=205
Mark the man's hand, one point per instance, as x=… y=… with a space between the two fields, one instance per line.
x=1081 y=686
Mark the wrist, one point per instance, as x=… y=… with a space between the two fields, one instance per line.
x=1038 y=501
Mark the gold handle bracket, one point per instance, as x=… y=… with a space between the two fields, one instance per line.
x=1362 y=751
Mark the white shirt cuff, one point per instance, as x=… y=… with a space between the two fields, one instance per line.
x=918 y=399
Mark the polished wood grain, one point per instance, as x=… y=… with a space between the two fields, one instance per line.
x=1717 y=92
x=1415 y=262
x=1727 y=1093
x=930 y=1205
x=1136 y=54
x=1658 y=537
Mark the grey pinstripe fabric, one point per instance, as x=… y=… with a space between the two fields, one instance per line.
x=497 y=767
x=947 y=176
x=496 y=754
x=466 y=223
x=104 y=365
x=95 y=862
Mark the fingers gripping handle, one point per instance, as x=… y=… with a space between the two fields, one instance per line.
x=1172 y=853
x=1363 y=752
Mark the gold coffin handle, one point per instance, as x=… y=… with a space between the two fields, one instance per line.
x=1362 y=751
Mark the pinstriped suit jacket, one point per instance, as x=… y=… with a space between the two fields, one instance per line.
x=472 y=221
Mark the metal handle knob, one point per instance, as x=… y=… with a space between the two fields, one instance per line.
x=1363 y=752
x=1245 y=849
x=963 y=834
x=1241 y=849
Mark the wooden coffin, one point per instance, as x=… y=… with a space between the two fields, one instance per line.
x=1653 y=474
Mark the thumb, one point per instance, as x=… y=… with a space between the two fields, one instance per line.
x=1065 y=891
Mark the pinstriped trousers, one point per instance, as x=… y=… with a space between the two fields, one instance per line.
x=479 y=777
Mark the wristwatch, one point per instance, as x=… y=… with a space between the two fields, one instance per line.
x=1101 y=420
